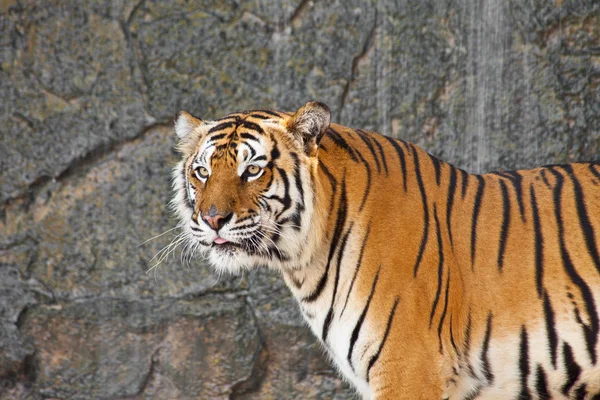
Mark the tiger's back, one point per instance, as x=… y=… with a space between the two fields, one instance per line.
x=427 y=282
x=514 y=261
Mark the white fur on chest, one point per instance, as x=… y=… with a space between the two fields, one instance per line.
x=338 y=340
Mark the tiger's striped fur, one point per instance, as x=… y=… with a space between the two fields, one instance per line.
x=421 y=280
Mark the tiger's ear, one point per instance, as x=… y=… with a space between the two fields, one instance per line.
x=187 y=130
x=185 y=124
x=308 y=125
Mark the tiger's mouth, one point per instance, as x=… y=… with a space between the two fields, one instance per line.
x=226 y=248
x=246 y=245
x=225 y=245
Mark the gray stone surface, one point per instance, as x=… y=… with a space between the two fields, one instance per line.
x=88 y=91
x=169 y=349
x=69 y=85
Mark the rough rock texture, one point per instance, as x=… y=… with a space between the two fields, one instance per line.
x=88 y=91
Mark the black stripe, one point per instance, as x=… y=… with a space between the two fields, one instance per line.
x=339 y=225
x=476 y=209
x=375 y=357
x=366 y=140
x=342 y=144
x=573 y=369
x=594 y=171
x=517 y=181
x=270 y=112
x=216 y=137
x=333 y=183
x=550 y=329
x=505 y=224
x=544 y=178
x=425 y=213
x=300 y=207
x=524 y=365
x=467 y=335
x=474 y=393
x=359 y=322
x=452 y=342
x=440 y=266
x=440 y=325
x=186 y=181
x=252 y=150
x=297 y=283
x=275 y=153
x=383 y=161
x=401 y=157
x=329 y=316
x=437 y=167
x=467 y=346
x=287 y=199
x=541 y=384
x=368 y=186
x=584 y=220
x=591 y=331
x=450 y=203
x=357 y=267
x=252 y=126
x=259 y=116
x=484 y=352
x=249 y=136
x=220 y=127
x=464 y=181
x=538 y=240
x=581 y=392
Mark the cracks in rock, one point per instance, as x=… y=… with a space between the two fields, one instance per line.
x=209 y=292
x=21 y=318
x=151 y=370
x=134 y=11
x=23 y=119
x=297 y=14
x=80 y=165
x=298 y=11
x=254 y=381
x=49 y=92
x=220 y=294
x=367 y=46
x=135 y=67
x=148 y=377
x=92 y=155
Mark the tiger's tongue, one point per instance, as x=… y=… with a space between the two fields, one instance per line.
x=220 y=240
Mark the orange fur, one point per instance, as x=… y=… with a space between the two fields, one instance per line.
x=442 y=284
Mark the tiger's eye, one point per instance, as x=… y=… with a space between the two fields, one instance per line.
x=253 y=169
x=202 y=172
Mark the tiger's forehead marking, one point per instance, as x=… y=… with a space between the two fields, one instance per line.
x=228 y=137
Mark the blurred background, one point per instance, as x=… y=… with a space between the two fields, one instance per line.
x=88 y=90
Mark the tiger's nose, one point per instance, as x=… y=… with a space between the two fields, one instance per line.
x=217 y=221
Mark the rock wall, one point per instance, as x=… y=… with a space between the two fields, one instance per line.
x=88 y=90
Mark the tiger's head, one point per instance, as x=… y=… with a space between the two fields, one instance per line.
x=244 y=191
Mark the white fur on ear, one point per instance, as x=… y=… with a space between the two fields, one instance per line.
x=309 y=124
x=185 y=123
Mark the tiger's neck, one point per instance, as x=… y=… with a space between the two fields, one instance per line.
x=375 y=199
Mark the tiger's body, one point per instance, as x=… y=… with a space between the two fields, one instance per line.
x=421 y=280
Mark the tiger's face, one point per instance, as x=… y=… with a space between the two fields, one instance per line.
x=243 y=191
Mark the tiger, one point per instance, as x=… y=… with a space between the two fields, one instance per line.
x=421 y=281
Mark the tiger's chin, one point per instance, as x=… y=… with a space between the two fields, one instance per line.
x=230 y=259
